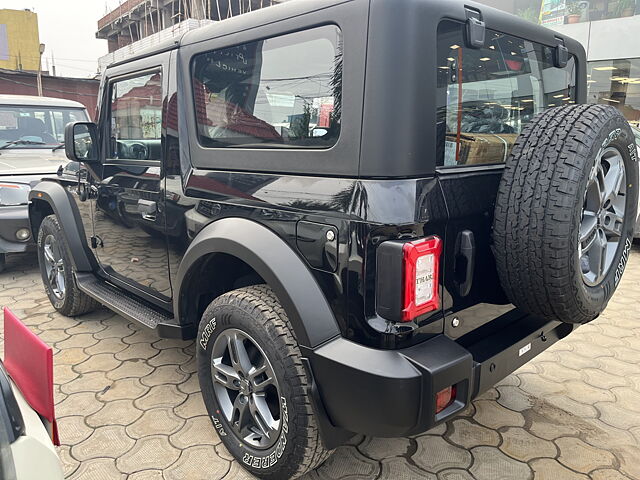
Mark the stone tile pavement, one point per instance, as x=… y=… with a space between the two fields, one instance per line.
x=129 y=405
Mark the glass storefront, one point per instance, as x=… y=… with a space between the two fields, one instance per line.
x=560 y=12
x=616 y=83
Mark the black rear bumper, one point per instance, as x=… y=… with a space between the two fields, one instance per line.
x=390 y=393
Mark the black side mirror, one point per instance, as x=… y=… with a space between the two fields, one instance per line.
x=81 y=141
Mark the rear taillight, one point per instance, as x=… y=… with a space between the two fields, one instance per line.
x=421 y=262
x=445 y=397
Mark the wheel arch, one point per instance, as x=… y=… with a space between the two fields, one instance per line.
x=49 y=197
x=254 y=254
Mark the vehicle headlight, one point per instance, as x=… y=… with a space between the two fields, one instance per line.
x=14 y=194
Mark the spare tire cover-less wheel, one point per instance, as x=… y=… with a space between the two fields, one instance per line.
x=565 y=212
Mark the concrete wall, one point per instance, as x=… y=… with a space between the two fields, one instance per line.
x=19 y=40
x=81 y=90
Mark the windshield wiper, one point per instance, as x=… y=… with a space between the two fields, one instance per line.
x=57 y=147
x=21 y=142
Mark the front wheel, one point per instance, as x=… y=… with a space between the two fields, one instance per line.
x=56 y=271
x=255 y=387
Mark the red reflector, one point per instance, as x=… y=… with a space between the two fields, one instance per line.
x=421 y=266
x=29 y=362
x=444 y=398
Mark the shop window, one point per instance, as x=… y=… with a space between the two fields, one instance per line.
x=616 y=83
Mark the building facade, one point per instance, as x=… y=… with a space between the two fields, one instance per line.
x=608 y=30
x=19 y=40
x=137 y=24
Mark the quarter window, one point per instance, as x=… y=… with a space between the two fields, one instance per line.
x=487 y=95
x=278 y=92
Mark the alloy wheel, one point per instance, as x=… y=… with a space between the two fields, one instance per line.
x=246 y=388
x=602 y=216
x=54 y=266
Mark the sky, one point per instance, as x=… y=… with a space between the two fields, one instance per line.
x=68 y=30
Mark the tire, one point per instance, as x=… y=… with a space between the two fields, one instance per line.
x=64 y=294
x=255 y=312
x=546 y=238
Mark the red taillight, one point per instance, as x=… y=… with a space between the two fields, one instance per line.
x=421 y=266
x=444 y=398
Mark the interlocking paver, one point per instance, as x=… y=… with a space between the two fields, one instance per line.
x=198 y=463
x=579 y=456
x=155 y=421
x=537 y=423
x=521 y=445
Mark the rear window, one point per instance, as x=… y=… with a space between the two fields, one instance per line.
x=277 y=92
x=487 y=95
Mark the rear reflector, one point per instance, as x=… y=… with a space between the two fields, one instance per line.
x=444 y=398
x=421 y=266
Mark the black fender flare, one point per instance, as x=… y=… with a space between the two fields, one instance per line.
x=277 y=263
x=66 y=210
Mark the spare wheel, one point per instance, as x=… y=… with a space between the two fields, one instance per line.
x=565 y=212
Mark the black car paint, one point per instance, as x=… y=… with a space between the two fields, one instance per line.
x=380 y=182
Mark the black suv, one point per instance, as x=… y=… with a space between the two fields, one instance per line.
x=366 y=212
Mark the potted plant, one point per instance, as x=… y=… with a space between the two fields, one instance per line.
x=626 y=8
x=574 y=12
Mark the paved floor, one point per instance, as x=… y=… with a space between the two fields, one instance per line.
x=129 y=405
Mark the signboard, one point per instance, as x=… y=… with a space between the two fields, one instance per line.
x=552 y=12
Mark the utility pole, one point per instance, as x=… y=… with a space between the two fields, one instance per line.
x=40 y=70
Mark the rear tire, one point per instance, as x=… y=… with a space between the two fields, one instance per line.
x=57 y=273
x=255 y=317
x=556 y=258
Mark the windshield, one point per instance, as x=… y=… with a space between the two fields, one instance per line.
x=35 y=126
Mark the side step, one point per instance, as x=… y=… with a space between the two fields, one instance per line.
x=128 y=306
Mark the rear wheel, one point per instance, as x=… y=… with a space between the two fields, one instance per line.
x=255 y=387
x=56 y=271
x=565 y=212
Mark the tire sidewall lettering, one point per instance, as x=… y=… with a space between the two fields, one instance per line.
x=208 y=330
x=622 y=264
x=269 y=460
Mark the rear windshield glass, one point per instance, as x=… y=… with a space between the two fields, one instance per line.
x=487 y=95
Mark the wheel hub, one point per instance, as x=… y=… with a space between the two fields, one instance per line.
x=602 y=216
x=246 y=388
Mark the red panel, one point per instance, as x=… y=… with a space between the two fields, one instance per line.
x=29 y=362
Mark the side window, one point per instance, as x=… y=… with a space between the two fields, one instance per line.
x=486 y=96
x=281 y=91
x=136 y=117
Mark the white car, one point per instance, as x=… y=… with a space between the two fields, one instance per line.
x=636 y=132
x=31 y=147
x=24 y=437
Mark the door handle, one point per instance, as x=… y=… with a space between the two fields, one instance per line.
x=465 y=262
x=147 y=210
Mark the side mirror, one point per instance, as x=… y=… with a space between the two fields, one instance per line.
x=81 y=141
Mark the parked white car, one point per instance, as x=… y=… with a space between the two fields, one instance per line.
x=31 y=146
x=636 y=132
x=26 y=448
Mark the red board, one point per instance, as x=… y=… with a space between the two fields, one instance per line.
x=29 y=362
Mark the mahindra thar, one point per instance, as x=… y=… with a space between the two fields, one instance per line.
x=365 y=212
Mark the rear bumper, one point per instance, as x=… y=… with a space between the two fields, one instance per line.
x=13 y=219
x=391 y=393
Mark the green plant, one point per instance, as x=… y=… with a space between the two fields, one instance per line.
x=624 y=5
x=573 y=8
x=531 y=14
